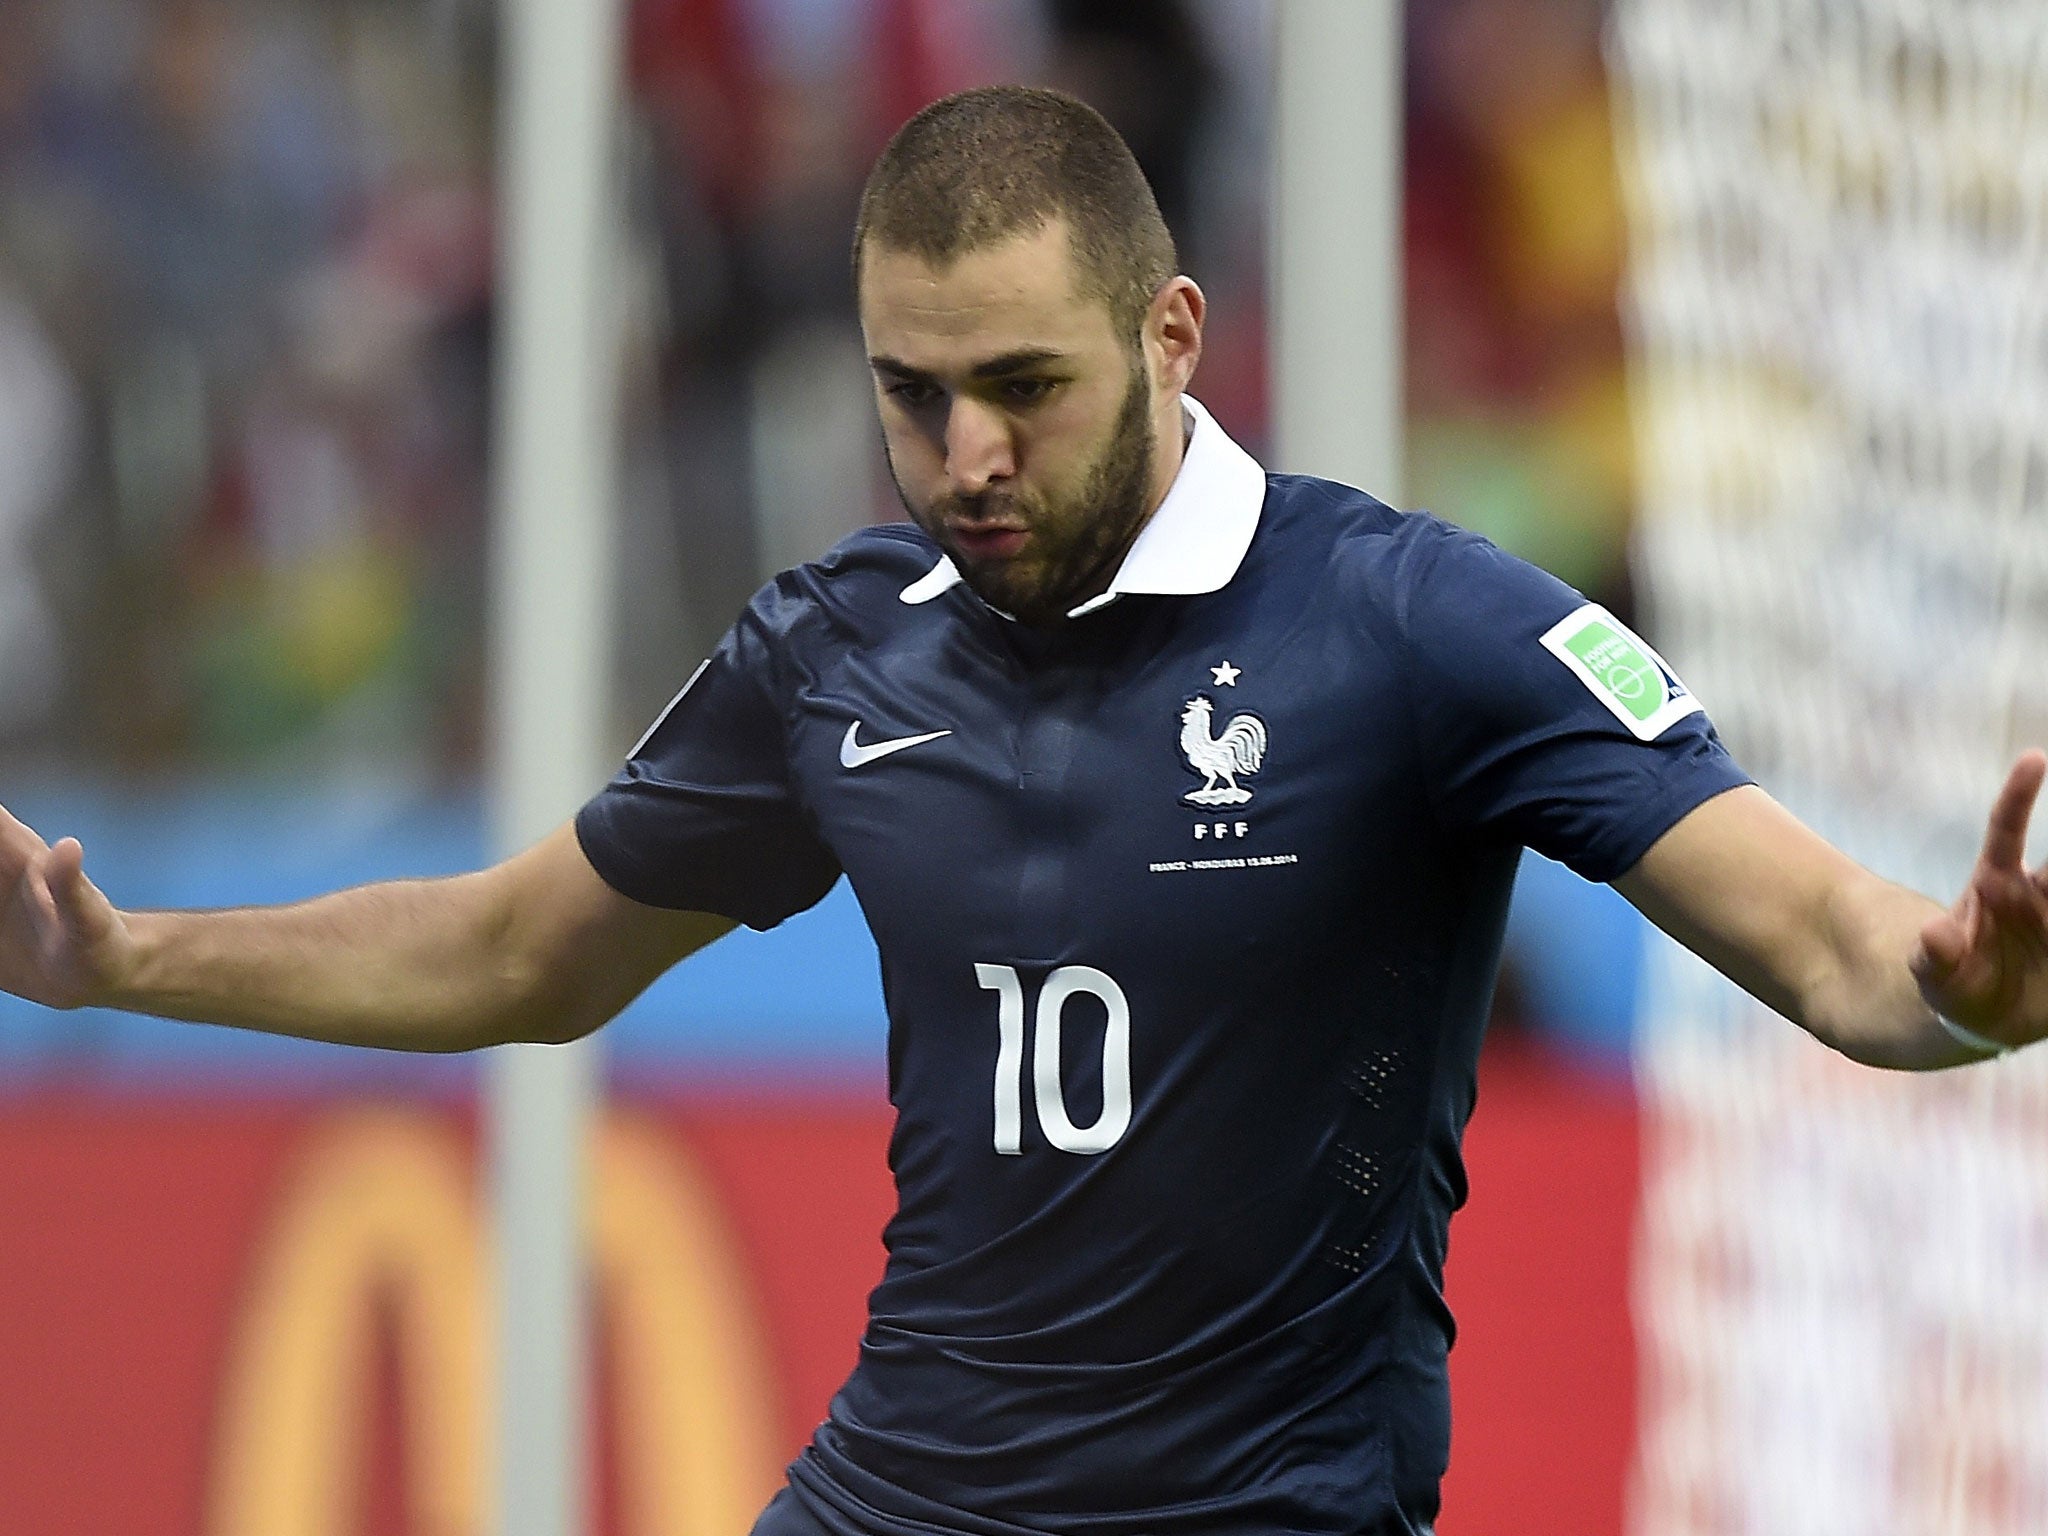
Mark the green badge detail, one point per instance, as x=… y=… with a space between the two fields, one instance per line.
x=1620 y=666
x=1628 y=678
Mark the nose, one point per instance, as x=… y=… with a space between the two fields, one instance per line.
x=979 y=450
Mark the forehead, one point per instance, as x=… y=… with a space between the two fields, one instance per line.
x=1023 y=292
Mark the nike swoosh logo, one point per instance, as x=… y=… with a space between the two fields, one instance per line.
x=853 y=755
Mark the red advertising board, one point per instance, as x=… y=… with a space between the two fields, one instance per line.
x=221 y=1317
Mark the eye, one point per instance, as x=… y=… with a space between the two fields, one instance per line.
x=1028 y=391
x=912 y=393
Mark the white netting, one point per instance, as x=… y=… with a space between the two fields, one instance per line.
x=1839 y=315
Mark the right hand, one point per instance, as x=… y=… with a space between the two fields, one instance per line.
x=1984 y=962
x=62 y=943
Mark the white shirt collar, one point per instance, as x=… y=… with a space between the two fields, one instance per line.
x=1193 y=543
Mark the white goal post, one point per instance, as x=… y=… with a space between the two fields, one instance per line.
x=1838 y=317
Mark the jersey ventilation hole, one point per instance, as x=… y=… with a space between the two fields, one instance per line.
x=1351 y=1260
x=1370 y=1075
x=1358 y=1171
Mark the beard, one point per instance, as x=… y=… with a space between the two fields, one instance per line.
x=1075 y=542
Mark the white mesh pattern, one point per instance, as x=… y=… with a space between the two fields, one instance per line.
x=1839 y=335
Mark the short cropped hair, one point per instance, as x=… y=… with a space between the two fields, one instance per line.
x=974 y=169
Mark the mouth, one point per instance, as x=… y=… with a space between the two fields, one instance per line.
x=987 y=541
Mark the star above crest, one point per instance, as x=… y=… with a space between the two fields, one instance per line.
x=1226 y=675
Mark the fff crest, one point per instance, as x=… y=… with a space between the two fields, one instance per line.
x=1220 y=757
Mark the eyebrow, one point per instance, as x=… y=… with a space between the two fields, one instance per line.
x=991 y=368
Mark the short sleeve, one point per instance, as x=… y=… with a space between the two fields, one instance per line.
x=704 y=816
x=1541 y=717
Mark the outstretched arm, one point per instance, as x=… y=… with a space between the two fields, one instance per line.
x=1863 y=964
x=535 y=948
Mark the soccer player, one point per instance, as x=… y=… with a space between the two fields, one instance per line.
x=1184 y=800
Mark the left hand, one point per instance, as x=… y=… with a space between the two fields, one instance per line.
x=1984 y=962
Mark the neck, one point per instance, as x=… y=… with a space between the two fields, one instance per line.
x=1172 y=429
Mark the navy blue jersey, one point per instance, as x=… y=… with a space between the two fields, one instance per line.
x=1189 y=915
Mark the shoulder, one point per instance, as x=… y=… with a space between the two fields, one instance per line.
x=1364 y=536
x=851 y=593
x=886 y=551
x=1301 y=505
x=1413 y=562
x=1411 y=577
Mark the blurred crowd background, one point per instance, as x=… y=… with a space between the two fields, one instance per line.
x=246 y=289
x=245 y=321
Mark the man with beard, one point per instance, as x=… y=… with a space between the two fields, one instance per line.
x=1184 y=801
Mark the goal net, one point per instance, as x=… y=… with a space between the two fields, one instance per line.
x=1838 y=310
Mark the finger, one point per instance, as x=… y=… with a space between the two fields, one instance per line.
x=1943 y=943
x=64 y=867
x=43 y=914
x=2005 y=836
x=76 y=897
x=16 y=838
x=2016 y=903
x=1948 y=939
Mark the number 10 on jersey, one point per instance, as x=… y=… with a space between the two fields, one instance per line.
x=1048 y=1093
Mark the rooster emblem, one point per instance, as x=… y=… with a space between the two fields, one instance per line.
x=1220 y=759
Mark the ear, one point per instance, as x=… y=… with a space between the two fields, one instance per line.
x=1173 y=333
